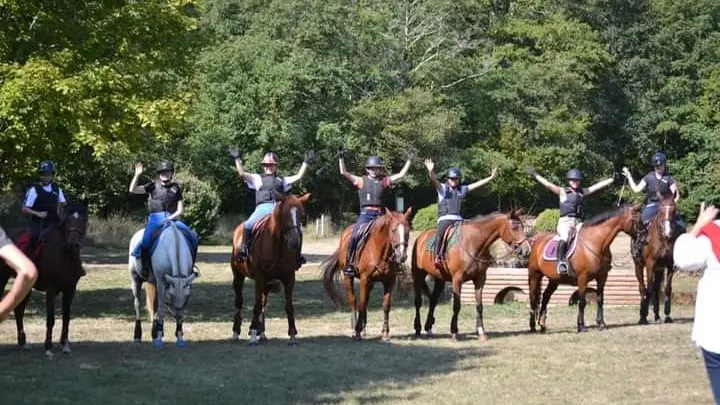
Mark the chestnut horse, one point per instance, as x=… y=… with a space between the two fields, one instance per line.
x=590 y=260
x=59 y=270
x=380 y=259
x=468 y=259
x=272 y=256
x=657 y=256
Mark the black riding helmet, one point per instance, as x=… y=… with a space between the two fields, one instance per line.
x=573 y=174
x=658 y=159
x=47 y=166
x=165 y=166
x=374 y=162
x=454 y=173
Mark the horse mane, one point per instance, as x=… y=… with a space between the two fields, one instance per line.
x=604 y=216
x=478 y=219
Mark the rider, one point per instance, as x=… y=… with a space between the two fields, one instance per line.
x=658 y=181
x=571 y=207
x=44 y=202
x=450 y=198
x=267 y=188
x=371 y=188
x=166 y=205
x=25 y=275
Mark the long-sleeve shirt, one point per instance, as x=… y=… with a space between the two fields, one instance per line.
x=693 y=254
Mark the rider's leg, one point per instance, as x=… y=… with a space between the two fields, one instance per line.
x=142 y=250
x=563 y=230
x=365 y=217
x=36 y=227
x=260 y=211
x=442 y=227
x=191 y=236
x=648 y=213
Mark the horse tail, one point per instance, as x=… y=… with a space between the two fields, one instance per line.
x=414 y=266
x=330 y=268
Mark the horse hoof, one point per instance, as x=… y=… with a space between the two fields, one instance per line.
x=263 y=338
x=601 y=327
x=417 y=335
x=581 y=329
x=157 y=343
x=138 y=340
x=357 y=337
x=658 y=320
x=253 y=344
x=235 y=336
x=543 y=329
x=643 y=321
x=484 y=337
x=429 y=333
x=180 y=343
x=292 y=342
x=66 y=349
x=454 y=337
x=668 y=320
x=49 y=354
x=386 y=336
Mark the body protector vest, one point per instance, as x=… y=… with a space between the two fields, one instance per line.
x=271 y=186
x=573 y=205
x=47 y=201
x=164 y=197
x=655 y=186
x=371 y=192
x=451 y=203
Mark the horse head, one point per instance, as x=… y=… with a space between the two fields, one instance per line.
x=289 y=214
x=74 y=223
x=177 y=291
x=399 y=233
x=513 y=232
x=666 y=213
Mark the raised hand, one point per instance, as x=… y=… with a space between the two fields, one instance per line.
x=494 y=172
x=341 y=152
x=531 y=171
x=310 y=157
x=139 y=168
x=235 y=153
x=429 y=164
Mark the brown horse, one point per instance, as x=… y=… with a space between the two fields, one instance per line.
x=591 y=260
x=273 y=256
x=59 y=270
x=468 y=259
x=380 y=260
x=657 y=256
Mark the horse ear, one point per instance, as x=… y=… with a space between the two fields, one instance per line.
x=519 y=211
x=304 y=198
x=168 y=278
x=387 y=211
x=408 y=212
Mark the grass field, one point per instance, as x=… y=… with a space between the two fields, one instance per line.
x=626 y=364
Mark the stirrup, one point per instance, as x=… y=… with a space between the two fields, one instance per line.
x=349 y=270
x=562 y=267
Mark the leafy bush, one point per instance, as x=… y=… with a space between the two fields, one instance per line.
x=115 y=230
x=202 y=204
x=547 y=220
x=426 y=218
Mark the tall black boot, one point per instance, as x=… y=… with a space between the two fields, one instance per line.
x=301 y=259
x=349 y=268
x=640 y=242
x=562 y=266
x=145 y=263
x=243 y=251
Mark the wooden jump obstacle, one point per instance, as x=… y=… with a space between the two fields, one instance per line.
x=505 y=284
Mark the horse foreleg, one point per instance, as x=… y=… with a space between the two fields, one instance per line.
x=547 y=294
x=257 y=311
x=438 y=288
x=600 y=281
x=151 y=306
x=387 y=298
x=289 y=286
x=534 y=279
x=49 y=319
x=348 y=283
x=238 y=285
x=159 y=321
x=179 y=335
x=365 y=289
x=265 y=297
x=67 y=299
x=659 y=272
x=668 y=293
x=457 y=289
x=479 y=283
x=582 y=284
x=136 y=287
x=642 y=290
x=419 y=285
x=20 y=320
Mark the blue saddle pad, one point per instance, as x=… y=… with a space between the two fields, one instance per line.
x=156 y=239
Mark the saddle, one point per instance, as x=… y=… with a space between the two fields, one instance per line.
x=257 y=230
x=362 y=235
x=23 y=243
x=449 y=239
x=550 y=250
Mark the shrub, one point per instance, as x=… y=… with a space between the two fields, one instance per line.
x=547 y=220
x=202 y=204
x=115 y=230
x=426 y=218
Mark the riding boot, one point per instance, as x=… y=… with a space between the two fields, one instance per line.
x=438 y=256
x=145 y=263
x=562 y=266
x=640 y=244
x=300 y=259
x=243 y=251
x=349 y=269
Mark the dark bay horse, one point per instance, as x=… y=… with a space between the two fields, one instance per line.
x=272 y=256
x=590 y=260
x=380 y=260
x=468 y=259
x=59 y=270
x=657 y=257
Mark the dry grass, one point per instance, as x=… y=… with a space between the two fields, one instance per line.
x=626 y=364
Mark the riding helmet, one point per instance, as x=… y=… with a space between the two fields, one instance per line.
x=573 y=174
x=374 y=162
x=454 y=173
x=659 y=159
x=165 y=166
x=270 y=158
x=47 y=166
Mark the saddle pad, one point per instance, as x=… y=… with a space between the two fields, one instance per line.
x=156 y=239
x=259 y=225
x=451 y=238
x=550 y=251
x=362 y=236
x=23 y=240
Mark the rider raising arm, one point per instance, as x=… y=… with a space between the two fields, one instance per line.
x=26 y=274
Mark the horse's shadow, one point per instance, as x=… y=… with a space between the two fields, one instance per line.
x=321 y=369
x=99 y=256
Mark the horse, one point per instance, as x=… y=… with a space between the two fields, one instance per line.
x=467 y=259
x=657 y=256
x=59 y=270
x=273 y=255
x=171 y=280
x=378 y=259
x=589 y=258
